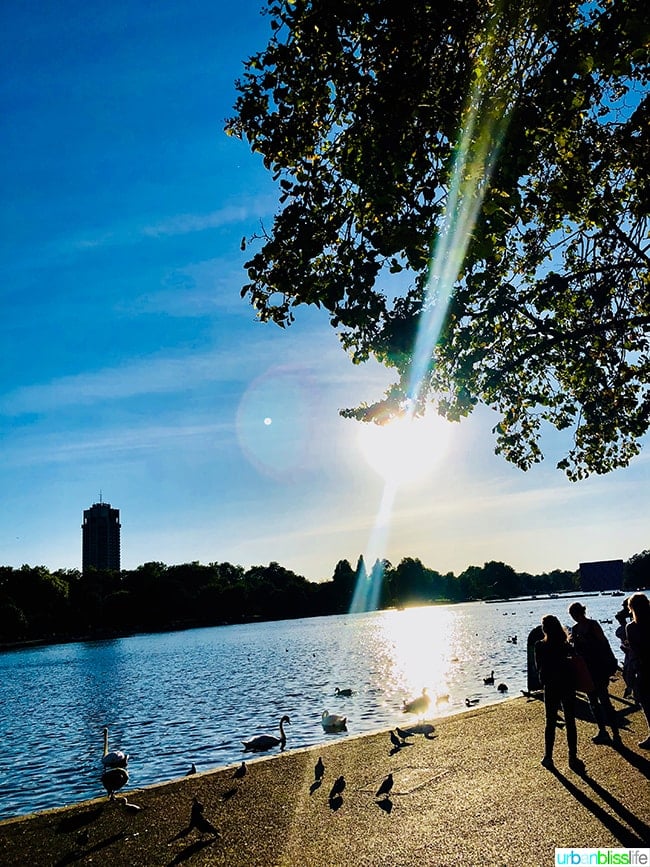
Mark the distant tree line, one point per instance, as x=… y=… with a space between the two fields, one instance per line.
x=37 y=605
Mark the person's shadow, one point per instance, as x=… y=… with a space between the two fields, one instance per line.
x=637 y=834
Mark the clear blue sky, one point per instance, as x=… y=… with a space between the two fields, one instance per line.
x=130 y=365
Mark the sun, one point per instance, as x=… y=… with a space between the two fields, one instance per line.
x=405 y=450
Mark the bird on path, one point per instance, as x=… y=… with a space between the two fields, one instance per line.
x=199 y=821
x=417 y=705
x=385 y=787
x=488 y=681
x=261 y=743
x=395 y=741
x=345 y=692
x=337 y=788
x=403 y=733
x=114 y=758
x=240 y=771
x=113 y=779
x=319 y=769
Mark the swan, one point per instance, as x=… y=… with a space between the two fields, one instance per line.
x=488 y=681
x=260 y=743
x=113 y=779
x=114 y=759
x=333 y=722
x=345 y=692
x=417 y=705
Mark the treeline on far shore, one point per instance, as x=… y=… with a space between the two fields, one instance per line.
x=39 y=605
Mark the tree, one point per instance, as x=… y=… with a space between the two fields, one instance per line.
x=511 y=141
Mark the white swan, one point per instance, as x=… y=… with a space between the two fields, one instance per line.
x=113 y=779
x=333 y=722
x=261 y=743
x=417 y=705
x=114 y=759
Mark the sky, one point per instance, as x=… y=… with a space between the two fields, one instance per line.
x=132 y=371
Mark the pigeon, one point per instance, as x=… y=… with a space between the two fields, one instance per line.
x=199 y=821
x=395 y=741
x=385 y=787
x=337 y=788
x=240 y=771
x=403 y=734
x=319 y=769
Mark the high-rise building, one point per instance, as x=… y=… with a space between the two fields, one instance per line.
x=100 y=536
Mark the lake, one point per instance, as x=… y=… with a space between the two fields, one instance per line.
x=175 y=698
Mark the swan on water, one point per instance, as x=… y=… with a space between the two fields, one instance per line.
x=333 y=722
x=260 y=743
x=417 y=705
x=115 y=758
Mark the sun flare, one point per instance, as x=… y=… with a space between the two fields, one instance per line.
x=405 y=450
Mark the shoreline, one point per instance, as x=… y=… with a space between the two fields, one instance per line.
x=474 y=793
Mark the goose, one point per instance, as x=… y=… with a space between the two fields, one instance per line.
x=417 y=705
x=260 y=743
x=503 y=687
x=113 y=779
x=115 y=758
x=333 y=722
x=345 y=692
x=488 y=681
x=385 y=787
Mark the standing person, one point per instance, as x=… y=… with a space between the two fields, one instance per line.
x=591 y=643
x=556 y=676
x=628 y=675
x=638 y=636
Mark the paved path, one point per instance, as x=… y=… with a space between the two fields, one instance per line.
x=475 y=794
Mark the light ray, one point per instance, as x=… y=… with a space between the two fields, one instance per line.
x=476 y=155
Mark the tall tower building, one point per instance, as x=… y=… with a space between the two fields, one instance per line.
x=100 y=536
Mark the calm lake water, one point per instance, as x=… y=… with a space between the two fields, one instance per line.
x=176 y=698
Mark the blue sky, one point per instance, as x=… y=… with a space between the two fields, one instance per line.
x=130 y=365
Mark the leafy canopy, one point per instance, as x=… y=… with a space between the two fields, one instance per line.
x=368 y=113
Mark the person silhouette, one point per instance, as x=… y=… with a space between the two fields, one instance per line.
x=591 y=644
x=552 y=655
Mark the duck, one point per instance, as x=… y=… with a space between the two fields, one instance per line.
x=503 y=687
x=333 y=722
x=115 y=758
x=488 y=681
x=470 y=702
x=346 y=692
x=261 y=743
x=417 y=705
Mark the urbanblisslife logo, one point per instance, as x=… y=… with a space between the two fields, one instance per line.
x=602 y=856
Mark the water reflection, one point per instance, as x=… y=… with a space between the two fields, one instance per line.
x=173 y=699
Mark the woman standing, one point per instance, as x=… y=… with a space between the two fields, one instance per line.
x=638 y=636
x=556 y=676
